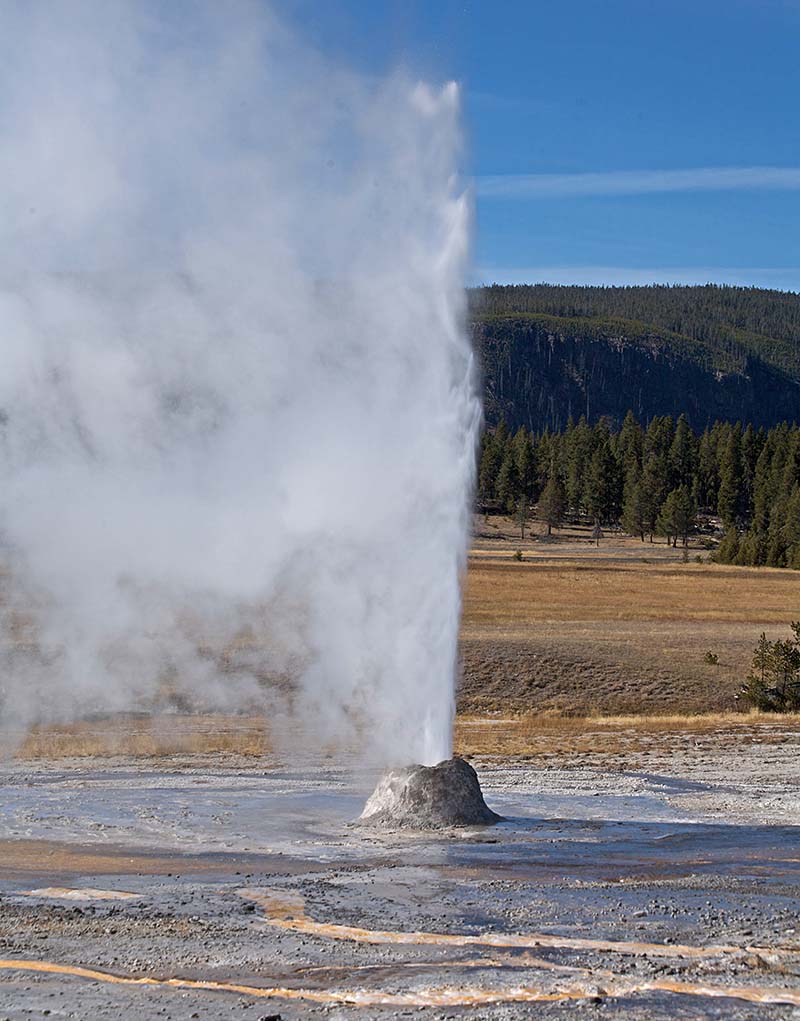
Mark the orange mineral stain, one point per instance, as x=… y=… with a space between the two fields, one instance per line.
x=435 y=997
x=300 y=923
x=286 y=911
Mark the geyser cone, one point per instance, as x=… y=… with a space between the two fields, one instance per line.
x=429 y=797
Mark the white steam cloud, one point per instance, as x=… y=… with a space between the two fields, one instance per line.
x=237 y=405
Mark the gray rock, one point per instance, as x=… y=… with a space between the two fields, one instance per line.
x=429 y=797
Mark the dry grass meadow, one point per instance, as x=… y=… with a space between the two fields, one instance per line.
x=567 y=738
x=619 y=629
x=548 y=736
x=148 y=737
x=572 y=648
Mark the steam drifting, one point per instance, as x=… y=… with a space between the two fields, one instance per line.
x=237 y=406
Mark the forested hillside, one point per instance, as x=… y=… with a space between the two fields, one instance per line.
x=551 y=353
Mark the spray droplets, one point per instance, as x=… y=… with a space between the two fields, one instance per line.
x=238 y=405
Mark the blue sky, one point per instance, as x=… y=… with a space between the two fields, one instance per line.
x=621 y=141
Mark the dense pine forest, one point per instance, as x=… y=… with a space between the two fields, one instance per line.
x=662 y=480
x=551 y=353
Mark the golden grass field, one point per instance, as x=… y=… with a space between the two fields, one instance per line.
x=532 y=735
x=571 y=646
x=619 y=629
x=145 y=737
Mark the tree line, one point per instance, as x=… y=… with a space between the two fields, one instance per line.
x=654 y=480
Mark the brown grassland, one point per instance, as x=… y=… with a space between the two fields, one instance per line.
x=571 y=648
x=535 y=735
x=144 y=737
x=619 y=629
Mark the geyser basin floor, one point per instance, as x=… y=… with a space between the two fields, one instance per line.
x=247 y=874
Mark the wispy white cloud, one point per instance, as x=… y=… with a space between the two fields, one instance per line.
x=636 y=182
x=779 y=278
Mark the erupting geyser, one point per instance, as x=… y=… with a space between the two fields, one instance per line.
x=429 y=797
x=237 y=402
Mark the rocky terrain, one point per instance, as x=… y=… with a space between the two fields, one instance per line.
x=667 y=884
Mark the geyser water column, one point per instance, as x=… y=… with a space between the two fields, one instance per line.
x=237 y=402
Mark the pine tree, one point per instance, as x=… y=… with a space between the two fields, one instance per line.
x=728 y=549
x=524 y=456
x=489 y=466
x=522 y=514
x=791 y=468
x=748 y=549
x=553 y=501
x=678 y=516
x=776 y=536
x=544 y=447
x=602 y=485
x=682 y=455
x=763 y=488
x=707 y=476
x=773 y=684
x=752 y=443
x=634 y=508
x=509 y=486
x=655 y=480
x=791 y=528
x=752 y=478
x=755 y=689
x=577 y=455
x=658 y=438
x=729 y=499
x=630 y=445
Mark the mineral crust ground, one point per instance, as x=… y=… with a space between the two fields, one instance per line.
x=662 y=885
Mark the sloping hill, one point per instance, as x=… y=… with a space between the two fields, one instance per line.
x=710 y=352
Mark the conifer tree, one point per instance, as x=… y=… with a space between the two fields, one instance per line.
x=752 y=478
x=630 y=445
x=773 y=684
x=522 y=514
x=602 y=485
x=707 y=477
x=655 y=480
x=748 y=551
x=729 y=499
x=658 y=438
x=524 y=457
x=634 y=508
x=682 y=455
x=763 y=488
x=728 y=549
x=509 y=487
x=678 y=516
x=552 y=503
x=791 y=528
x=488 y=469
x=577 y=455
x=752 y=442
x=791 y=468
x=776 y=536
x=544 y=447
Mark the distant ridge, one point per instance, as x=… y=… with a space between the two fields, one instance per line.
x=710 y=352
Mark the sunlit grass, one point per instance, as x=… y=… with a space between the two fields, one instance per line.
x=147 y=737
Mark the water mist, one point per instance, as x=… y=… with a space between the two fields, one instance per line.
x=237 y=403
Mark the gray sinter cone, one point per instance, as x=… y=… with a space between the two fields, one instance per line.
x=429 y=797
